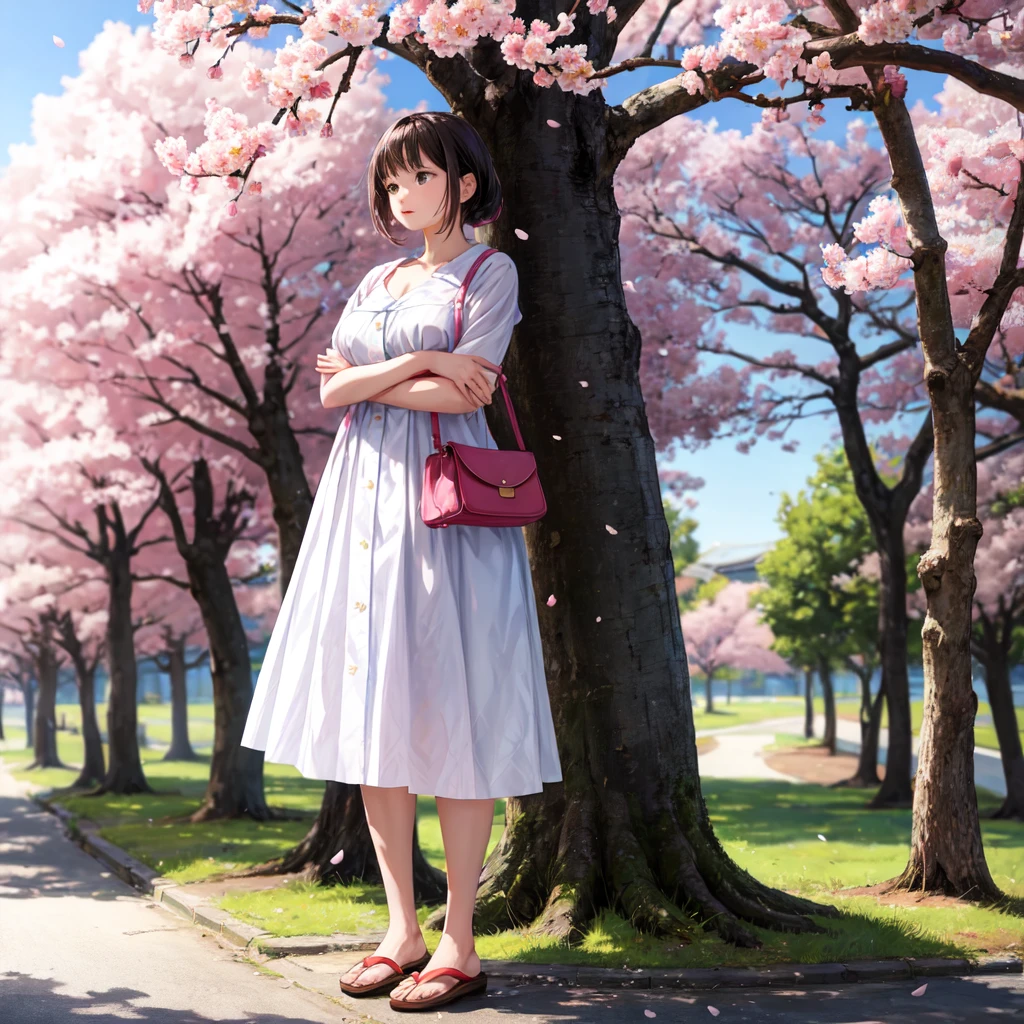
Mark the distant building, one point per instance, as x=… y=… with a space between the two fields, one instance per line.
x=733 y=561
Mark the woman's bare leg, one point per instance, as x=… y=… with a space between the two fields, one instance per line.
x=466 y=830
x=390 y=813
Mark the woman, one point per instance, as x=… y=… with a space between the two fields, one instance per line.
x=404 y=658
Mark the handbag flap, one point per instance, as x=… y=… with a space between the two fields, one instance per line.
x=498 y=467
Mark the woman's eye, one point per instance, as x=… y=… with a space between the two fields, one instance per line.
x=422 y=172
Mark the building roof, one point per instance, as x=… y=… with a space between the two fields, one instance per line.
x=734 y=561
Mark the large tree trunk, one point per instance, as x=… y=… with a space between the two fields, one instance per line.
x=3 y=691
x=124 y=771
x=45 y=736
x=946 y=848
x=829 y=696
x=808 y=703
x=181 y=747
x=993 y=652
x=709 y=682
x=627 y=828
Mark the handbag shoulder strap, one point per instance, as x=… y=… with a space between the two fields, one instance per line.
x=460 y=299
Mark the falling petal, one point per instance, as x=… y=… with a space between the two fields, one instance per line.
x=628 y=285
x=599 y=618
x=714 y=1011
x=551 y=601
x=57 y=41
x=557 y=437
x=336 y=859
x=920 y=991
x=611 y=529
x=662 y=351
x=650 y=1013
x=554 y=124
x=822 y=838
x=520 y=233
x=584 y=384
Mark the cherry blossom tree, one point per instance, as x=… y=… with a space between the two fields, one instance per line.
x=556 y=151
x=726 y=632
x=206 y=323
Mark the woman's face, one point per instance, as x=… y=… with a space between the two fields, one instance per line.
x=417 y=196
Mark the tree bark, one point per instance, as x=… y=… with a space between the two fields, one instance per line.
x=30 y=705
x=627 y=827
x=866 y=776
x=709 y=682
x=235 y=787
x=45 y=733
x=946 y=847
x=93 y=770
x=829 y=697
x=808 y=703
x=124 y=771
x=180 y=748
x=993 y=651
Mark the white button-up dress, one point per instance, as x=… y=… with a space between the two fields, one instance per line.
x=404 y=655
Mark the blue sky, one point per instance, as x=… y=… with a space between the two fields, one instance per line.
x=741 y=492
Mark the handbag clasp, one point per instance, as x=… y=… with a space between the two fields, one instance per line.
x=507 y=492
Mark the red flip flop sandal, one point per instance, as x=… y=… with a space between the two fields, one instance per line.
x=385 y=984
x=467 y=986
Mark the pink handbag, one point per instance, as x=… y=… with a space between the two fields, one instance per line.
x=468 y=486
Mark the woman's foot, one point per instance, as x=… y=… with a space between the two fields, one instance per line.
x=446 y=955
x=402 y=949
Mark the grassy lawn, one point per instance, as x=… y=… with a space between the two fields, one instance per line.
x=771 y=829
x=745 y=712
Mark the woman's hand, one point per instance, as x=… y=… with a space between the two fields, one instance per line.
x=329 y=364
x=468 y=374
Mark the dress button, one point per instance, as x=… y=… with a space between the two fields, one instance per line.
x=369 y=484
x=352 y=669
x=364 y=544
x=376 y=417
x=377 y=325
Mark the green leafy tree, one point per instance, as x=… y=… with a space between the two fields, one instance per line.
x=821 y=608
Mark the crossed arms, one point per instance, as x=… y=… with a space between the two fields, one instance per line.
x=455 y=383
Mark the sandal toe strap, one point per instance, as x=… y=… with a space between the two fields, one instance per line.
x=369 y=961
x=437 y=971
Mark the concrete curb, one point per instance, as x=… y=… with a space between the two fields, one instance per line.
x=512 y=972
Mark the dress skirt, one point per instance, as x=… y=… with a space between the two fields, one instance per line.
x=404 y=655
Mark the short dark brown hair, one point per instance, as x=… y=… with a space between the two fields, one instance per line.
x=451 y=143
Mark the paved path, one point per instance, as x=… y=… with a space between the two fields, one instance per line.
x=740 y=755
x=733 y=742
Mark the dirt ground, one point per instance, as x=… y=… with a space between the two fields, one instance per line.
x=815 y=764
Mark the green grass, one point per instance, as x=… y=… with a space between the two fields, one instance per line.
x=751 y=712
x=984 y=733
x=769 y=828
x=745 y=712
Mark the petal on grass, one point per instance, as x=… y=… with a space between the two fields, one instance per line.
x=920 y=991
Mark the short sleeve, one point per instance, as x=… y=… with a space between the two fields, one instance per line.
x=491 y=309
